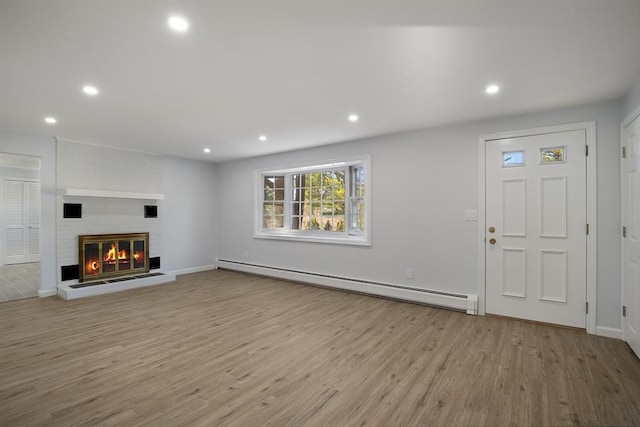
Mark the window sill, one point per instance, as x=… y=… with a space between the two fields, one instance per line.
x=352 y=240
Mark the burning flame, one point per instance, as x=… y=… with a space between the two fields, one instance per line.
x=111 y=254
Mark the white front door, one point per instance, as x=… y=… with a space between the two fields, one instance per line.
x=631 y=234
x=536 y=246
x=21 y=209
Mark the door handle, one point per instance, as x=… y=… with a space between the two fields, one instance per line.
x=492 y=241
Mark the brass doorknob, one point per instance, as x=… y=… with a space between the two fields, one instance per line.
x=492 y=229
x=492 y=241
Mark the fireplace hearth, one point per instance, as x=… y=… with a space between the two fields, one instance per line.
x=103 y=256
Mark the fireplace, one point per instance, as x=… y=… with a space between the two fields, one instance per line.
x=104 y=256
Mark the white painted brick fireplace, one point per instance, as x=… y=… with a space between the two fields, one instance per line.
x=98 y=171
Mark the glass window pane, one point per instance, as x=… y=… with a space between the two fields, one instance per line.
x=138 y=253
x=278 y=208
x=268 y=194
x=327 y=178
x=295 y=223
x=280 y=194
x=269 y=182
x=314 y=223
x=124 y=255
x=279 y=181
x=513 y=158
x=552 y=155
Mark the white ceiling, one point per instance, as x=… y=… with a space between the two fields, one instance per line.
x=294 y=70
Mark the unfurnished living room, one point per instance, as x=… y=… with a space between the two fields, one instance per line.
x=319 y=213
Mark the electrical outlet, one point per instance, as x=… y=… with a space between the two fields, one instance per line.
x=409 y=273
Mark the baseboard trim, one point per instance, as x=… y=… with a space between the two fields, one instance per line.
x=47 y=293
x=460 y=302
x=603 y=331
x=193 y=270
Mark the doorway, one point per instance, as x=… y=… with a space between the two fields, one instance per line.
x=20 y=226
x=537 y=228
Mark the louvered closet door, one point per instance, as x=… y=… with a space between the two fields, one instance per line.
x=32 y=216
x=14 y=222
x=22 y=221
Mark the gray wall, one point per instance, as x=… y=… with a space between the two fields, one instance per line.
x=422 y=182
x=45 y=148
x=189 y=217
x=632 y=100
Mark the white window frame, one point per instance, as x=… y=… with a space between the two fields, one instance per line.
x=360 y=238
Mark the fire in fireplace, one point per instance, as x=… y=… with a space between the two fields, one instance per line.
x=109 y=255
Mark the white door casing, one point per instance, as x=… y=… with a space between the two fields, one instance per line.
x=630 y=186
x=542 y=265
x=21 y=221
x=32 y=216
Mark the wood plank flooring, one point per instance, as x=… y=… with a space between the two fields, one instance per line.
x=220 y=348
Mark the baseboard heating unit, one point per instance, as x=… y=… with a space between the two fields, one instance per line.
x=460 y=302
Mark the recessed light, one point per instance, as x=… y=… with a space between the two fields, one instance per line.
x=492 y=89
x=90 y=90
x=207 y=150
x=178 y=24
x=353 y=118
x=50 y=120
x=262 y=137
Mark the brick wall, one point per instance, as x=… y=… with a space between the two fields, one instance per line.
x=98 y=168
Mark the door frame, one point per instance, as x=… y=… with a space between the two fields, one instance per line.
x=592 y=209
x=626 y=122
x=3 y=180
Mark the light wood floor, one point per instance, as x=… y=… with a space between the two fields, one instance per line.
x=222 y=348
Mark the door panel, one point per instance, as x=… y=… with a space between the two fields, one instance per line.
x=536 y=201
x=22 y=221
x=631 y=243
x=514 y=218
x=14 y=222
x=553 y=207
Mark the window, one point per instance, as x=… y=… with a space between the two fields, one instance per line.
x=512 y=158
x=325 y=202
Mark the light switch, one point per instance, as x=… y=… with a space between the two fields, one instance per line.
x=471 y=215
